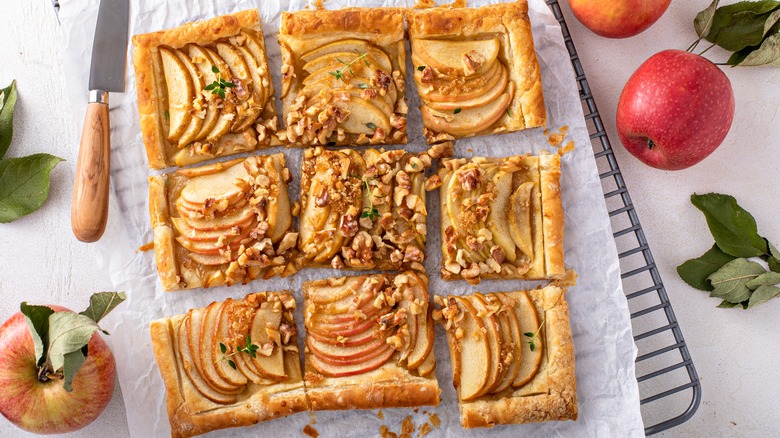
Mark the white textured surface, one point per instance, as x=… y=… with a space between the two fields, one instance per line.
x=735 y=352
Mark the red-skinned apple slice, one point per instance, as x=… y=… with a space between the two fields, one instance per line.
x=222 y=222
x=512 y=334
x=206 y=350
x=347 y=329
x=350 y=341
x=475 y=358
x=271 y=366
x=468 y=121
x=212 y=236
x=210 y=248
x=324 y=293
x=493 y=335
x=338 y=355
x=224 y=369
x=488 y=96
x=187 y=363
x=529 y=323
x=352 y=369
x=444 y=89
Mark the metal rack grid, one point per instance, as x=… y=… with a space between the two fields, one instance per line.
x=667 y=378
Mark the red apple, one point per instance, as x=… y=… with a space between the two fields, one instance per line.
x=42 y=405
x=675 y=110
x=618 y=18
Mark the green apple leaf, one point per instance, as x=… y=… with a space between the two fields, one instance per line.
x=766 y=279
x=38 y=320
x=734 y=229
x=768 y=54
x=730 y=281
x=703 y=21
x=763 y=294
x=73 y=362
x=727 y=16
x=695 y=271
x=7 y=117
x=68 y=332
x=749 y=30
x=726 y=305
x=24 y=184
x=101 y=303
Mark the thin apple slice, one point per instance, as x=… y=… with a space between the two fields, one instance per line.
x=347 y=329
x=225 y=222
x=192 y=325
x=374 y=59
x=255 y=45
x=358 y=94
x=181 y=93
x=313 y=217
x=488 y=95
x=350 y=341
x=493 y=336
x=190 y=233
x=196 y=123
x=529 y=323
x=510 y=332
x=351 y=369
x=216 y=186
x=271 y=366
x=338 y=355
x=451 y=88
x=240 y=76
x=283 y=219
x=350 y=46
x=475 y=358
x=227 y=113
x=184 y=210
x=182 y=345
x=505 y=342
x=224 y=369
x=497 y=223
x=520 y=219
x=210 y=260
x=257 y=95
x=206 y=349
x=424 y=331
x=367 y=311
x=325 y=293
x=364 y=117
x=330 y=82
x=469 y=121
x=462 y=58
x=429 y=364
x=202 y=61
x=209 y=248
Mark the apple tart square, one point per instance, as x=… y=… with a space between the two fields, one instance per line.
x=343 y=76
x=475 y=70
x=223 y=223
x=204 y=90
x=501 y=218
x=364 y=209
x=369 y=342
x=233 y=363
x=512 y=356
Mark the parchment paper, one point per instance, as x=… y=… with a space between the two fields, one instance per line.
x=606 y=385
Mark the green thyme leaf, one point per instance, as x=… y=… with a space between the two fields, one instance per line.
x=695 y=271
x=763 y=294
x=212 y=86
x=508 y=113
x=167 y=115
x=528 y=334
x=222 y=348
x=457 y=110
x=232 y=364
x=730 y=281
x=370 y=125
x=7 y=117
x=532 y=346
x=362 y=85
x=734 y=229
x=101 y=303
x=24 y=184
x=226 y=84
x=421 y=68
x=214 y=69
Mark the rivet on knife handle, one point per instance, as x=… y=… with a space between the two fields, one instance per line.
x=89 y=208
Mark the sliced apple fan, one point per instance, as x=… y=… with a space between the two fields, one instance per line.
x=343 y=77
x=224 y=223
x=470 y=78
x=204 y=90
x=501 y=218
x=512 y=356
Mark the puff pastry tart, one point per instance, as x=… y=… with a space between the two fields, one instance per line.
x=369 y=342
x=512 y=356
x=204 y=90
x=224 y=223
x=363 y=210
x=230 y=364
x=501 y=218
x=476 y=70
x=343 y=76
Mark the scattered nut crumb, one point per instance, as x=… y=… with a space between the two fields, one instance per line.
x=310 y=431
x=381 y=415
x=146 y=246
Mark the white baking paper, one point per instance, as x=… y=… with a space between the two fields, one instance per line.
x=606 y=384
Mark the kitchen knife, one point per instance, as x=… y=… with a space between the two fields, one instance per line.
x=89 y=208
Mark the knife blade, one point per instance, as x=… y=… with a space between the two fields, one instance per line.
x=89 y=206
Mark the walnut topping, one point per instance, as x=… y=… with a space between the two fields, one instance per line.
x=413 y=254
x=349 y=223
x=382 y=81
x=472 y=271
x=445 y=149
x=473 y=60
x=266 y=349
x=336 y=262
x=498 y=254
x=433 y=182
x=323 y=198
x=286 y=331
x=469 y=179
x=427 y=74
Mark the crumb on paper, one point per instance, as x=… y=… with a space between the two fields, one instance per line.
x=435 y=420
x=556 y=138
x=425 y=429
x=565 y=149
x=416 y=410
x=470 y=150
x=381 y=415
x=385 y=432
x=564 y=129
x=146 y=246
x=309 y=430
x=407 y=427
x=424 y=4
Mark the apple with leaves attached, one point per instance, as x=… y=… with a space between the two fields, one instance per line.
x=618 y=18
x=56 y=372
x=675 y=110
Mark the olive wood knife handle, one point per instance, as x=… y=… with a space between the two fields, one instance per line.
x=89 y=208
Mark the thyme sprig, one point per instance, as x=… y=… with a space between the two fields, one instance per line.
x=248 y=348
x=370 y=212
x=534 y=335
x=339 y=73
x=219 y=85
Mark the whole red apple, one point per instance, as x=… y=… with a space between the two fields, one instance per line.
x=41 y=405
x=675 y=110
x=618 y=18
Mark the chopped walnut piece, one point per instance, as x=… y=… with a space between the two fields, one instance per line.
x=433 y=182
x=498 y=254
x=288 y=241
x=427 y=74
x=472 y=271
x=469 y=179
x=336 y=262
x=413 y=254
x=445 y=149
x=286 y=331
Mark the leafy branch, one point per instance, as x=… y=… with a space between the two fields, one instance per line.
x=370 y=212
x=339 y=73
x=219 y=85
x=248 y=348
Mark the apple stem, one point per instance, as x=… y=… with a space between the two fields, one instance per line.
x=650 y=144
x=693 y=46
x=705 y=50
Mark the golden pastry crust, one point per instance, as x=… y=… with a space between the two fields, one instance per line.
x=364 y=210
x=552 y=392
x=469 y=247
x=256 y=131
x=224 y=238
x=395 y=382
x=508 y=22
x=343 y=77
x=191 y=414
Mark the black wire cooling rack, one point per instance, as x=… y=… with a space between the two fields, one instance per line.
x=668 y=382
